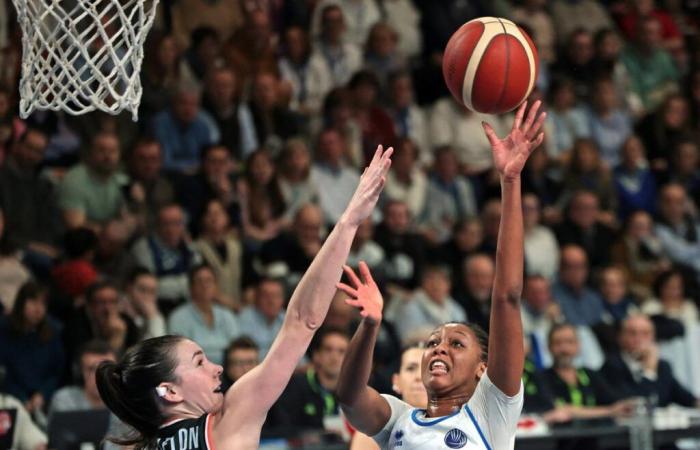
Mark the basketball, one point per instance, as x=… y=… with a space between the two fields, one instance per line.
x=490 y=65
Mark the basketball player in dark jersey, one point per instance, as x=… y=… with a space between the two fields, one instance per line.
x=170 y=393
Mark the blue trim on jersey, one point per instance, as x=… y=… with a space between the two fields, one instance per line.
x=478 y=428
x=428 y=423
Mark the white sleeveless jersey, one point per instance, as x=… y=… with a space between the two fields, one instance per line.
x=487 y=422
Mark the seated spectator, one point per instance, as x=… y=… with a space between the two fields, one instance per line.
x=274 y=122
x=430 y=306
x=534 y=14
x=583 y=228
x=609 y=125
x=91 y=193
x=364 y=248
x=460 y=128
x=634 y=181
x=28 y=201
x=466 y=240
x=309 y=399
x=410 y=121
x=100 y=318
x=183 y=130
x=224 y=16
x=253 y=47
x=308 y=78
x=222 y=100
x=617 y=302
x=83 y=394
x=113 y=257
x=541 y=246
x=652 y=71
x=576 y=61
x=76 y=273
x=677 y=229
x=473 y=291
x=338 y=115
x=569 y=16
x=580 y=304
x=262 y=203
x=168 y=254
x=404 y=17
x=578 y=392
x=637 y=369
x=671 y=36
x=332 y=177
x=406 y=182
x=205 y=52
x=685 y=167
x=360 y=16
x=13 y=274
x=141 y=303
x=339 y=56
x=31 y=349
x=450 y=197
x=376 y=126
x=148 y=189
x=242 y=355
x=567 y=118
x=26 y=435
x=662 y=129
x=671 y=302
x=263 y=320
x=640 y=251
x=541 y=178
x=202 y=319
x=381 y=52
x=404 y=250
x=221 y=250
x=294 y=177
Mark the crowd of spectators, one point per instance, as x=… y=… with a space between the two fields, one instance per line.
x=256 y=120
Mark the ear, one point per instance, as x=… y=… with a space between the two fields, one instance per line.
x=480 y=369
x=168 y=393
x=395 y=383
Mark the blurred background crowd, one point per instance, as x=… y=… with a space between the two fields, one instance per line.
x=256 y=120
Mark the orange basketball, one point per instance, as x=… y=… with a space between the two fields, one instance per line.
x=490 y=65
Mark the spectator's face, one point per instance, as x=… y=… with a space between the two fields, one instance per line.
x=31 y=150
x=437 y=286
x=676 y=113
x=565 y=97
x=308 y=223
x=34 y=311
x=222 y=88
x=104 y=305
x=531 y=210
x=644 y=7
x=408 y=382
x=265 y=91
x=261 y=169
x=584 y=210
x=260 y=27
x=582 y=50
x=329 y=357
x=687 y=158
x=171 y=226
x=649 y=33
x=605 y=96
x=186 y=107
x=215 y=218
x=297 y=43
x=167 y=52
x=640 y=225
x=382 y=41
x=402 y=92
x=470 y=236
x=491 y=218
x=672 y=290
x=637 y=335
x=564 y=347
x=537 y=294
x=404 y=159
x=573 y=269
x=208 y=50
x=269 y=299
x=203 y=287
x=610 y=47
x=673 y=203
x=113 y=239
x=143 y=291
x=217 y=163
x=333 y=25
x=241 y=361
x=478 y=277
x=447 y=166
x=104 y=156
x=397 y=218
x=330 y=147
x=612 y=286
x=298 y=159
x=146 y=162
x=633 y=153
x=365 y=95
x=88 y=366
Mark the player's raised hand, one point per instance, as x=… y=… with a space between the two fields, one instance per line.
x=511 y=152
x=364 y=294
x=369 y=188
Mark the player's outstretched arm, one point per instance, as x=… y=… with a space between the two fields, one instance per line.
x=248 y=400
x=506 y=353
x=366 y=410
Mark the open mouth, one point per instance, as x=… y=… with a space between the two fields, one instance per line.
x=219 y=389
x=438 y=367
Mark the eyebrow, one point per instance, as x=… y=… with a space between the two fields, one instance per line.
x=198 y=352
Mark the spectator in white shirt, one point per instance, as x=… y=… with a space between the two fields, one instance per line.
x=360 y=15
x=409 y=119
x=262 y=321
x=405 y=181
x=541 y=247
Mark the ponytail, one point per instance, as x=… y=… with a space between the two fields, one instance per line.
x=127 y=388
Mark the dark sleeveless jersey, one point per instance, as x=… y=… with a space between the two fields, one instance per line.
x=187 y=434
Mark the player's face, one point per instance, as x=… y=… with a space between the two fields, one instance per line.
x=451 y=363
x=199 y=380
x=408 y=382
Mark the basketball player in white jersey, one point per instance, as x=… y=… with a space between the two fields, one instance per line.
x=167 y=390
x=473 y=381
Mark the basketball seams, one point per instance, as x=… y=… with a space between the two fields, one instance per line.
x=506 y=68
x=482 y=45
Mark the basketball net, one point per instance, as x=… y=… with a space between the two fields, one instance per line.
x=82 y=55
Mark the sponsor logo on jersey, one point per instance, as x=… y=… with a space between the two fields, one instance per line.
x=398 y=436
x=456 y=438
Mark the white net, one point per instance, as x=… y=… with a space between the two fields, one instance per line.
x=82 y=55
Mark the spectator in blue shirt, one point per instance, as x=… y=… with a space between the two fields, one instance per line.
x=678 y=230
x=634 y=181
x=579 y=304
x=609 y=125
x=262 y=321
x=183 y=130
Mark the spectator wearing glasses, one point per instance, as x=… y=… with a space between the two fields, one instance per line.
x=242 y=355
